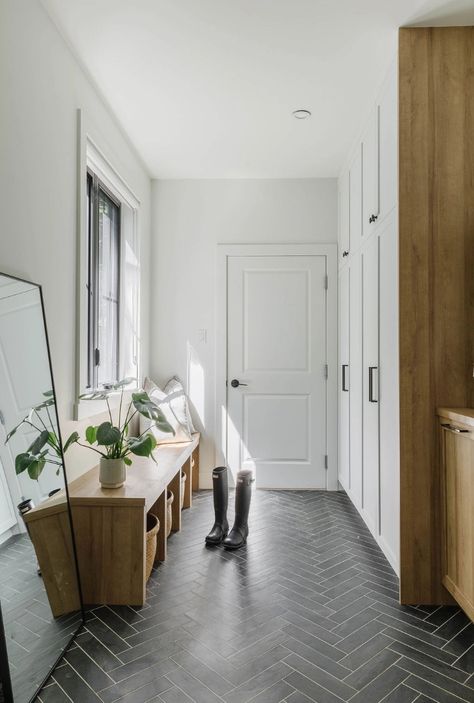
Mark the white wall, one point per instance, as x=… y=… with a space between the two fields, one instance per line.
x=42 y=86
x=189 y=217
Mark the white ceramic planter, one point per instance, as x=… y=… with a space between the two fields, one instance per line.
x=112 y=473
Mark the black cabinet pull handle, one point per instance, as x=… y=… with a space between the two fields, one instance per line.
x=344 y=370
x=371 y=384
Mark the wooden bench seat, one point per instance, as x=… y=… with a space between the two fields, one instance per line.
x=109 y=524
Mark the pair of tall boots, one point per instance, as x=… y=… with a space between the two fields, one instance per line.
x=243 y=492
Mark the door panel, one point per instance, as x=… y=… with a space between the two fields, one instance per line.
x=388 y=147
x=344 y=214
x=370 y=174
x=344 y=379
x=276 y=345
x=370 y=390
x=355 y=199
x=355 y=410
x=389 y=395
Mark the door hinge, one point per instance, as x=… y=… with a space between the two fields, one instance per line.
x=326 y=371
x=326 y=461
x=326 y=282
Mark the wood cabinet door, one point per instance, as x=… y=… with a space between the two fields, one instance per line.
x=459 y=501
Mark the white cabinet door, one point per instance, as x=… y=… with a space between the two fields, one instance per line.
x=370 y=385
x=355 y=199
x=355 y=353
x=344 y=379
x=389 y=394
x=276 y=355
x=344 y=229
x=370 y=174
x=388 y=144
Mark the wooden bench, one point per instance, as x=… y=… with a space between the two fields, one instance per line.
x=110 y=524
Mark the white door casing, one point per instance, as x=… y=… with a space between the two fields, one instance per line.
x=344 y=381
x=278 y=329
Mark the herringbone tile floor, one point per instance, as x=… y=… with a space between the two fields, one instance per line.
x=307 y=611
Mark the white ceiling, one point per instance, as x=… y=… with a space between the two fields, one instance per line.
x=206 y=88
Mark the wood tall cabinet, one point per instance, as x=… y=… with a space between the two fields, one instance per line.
x=368 y=349
x=436 y=251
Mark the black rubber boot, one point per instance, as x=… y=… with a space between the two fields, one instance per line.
x=221 y=498
x=243 y=492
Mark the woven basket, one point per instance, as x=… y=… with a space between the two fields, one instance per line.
x=183 y=486
x=152 y=529
x=169 y=501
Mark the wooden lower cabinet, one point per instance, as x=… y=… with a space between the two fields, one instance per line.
x=457 y=490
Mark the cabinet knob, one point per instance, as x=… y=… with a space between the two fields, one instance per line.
x=345 y=253
x=373 y=218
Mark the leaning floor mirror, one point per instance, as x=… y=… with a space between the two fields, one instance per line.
x=40 y=596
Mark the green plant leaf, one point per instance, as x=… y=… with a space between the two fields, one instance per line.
x=146 y=406
x=35 y=467
x=124 y=382
x=72 y=439
x=165 y=426
x=45 y=404
x=142 y=446
x=91 y=434
x=21 y=462
x=14 y=430
x=107 y=434
x=38 y=444
x=49 y=394
x=127 y=460
x=96 y=395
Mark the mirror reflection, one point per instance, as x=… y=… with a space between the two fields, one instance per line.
x=39 y=592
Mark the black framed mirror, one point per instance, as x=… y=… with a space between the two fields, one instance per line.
x=40 y=595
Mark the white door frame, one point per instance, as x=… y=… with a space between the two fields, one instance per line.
x=224 y=252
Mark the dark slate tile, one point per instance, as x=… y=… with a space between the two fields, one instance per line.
x=312 y=690
x=440 y=680
x=432 y=692
x=323 y=678
x=75 y=686
x=88 y=669
x=53 y=694
x=368 y=671
x=381 y=686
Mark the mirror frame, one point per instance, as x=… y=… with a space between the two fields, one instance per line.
x=5 y=677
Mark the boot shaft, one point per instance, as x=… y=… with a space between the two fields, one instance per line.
x=243 y=495
x=220 y=489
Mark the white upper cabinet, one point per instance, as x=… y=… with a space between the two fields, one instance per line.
x=370 y=173
x=355 y=199
x=344 y=213
x=388 y=144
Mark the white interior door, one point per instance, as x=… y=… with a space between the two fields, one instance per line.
x=344 y=378
x=370 y=387
x=277 y=347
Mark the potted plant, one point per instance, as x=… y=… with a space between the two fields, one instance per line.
x=113 y=442
x=46 y=447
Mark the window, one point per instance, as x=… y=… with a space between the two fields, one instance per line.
x=103 y=241
x=108 y=290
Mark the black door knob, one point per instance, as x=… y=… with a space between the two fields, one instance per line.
x=236 y=383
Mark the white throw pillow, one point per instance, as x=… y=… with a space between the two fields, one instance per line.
x=180 y=404
x=166 y=403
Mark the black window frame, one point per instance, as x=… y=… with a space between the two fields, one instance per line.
x=93 y=188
